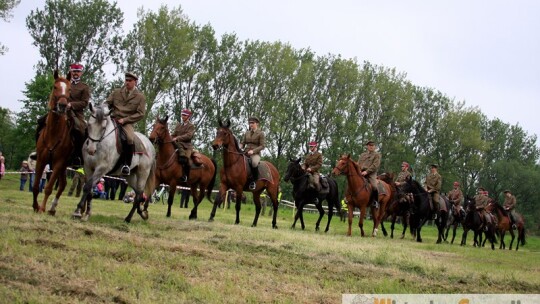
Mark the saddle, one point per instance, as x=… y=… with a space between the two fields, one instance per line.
x=323 y=181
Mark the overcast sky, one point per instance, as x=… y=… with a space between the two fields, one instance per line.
x=486 y=53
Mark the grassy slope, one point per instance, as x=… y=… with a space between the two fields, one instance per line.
x=46 y=259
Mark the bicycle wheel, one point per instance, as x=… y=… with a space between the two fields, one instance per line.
x=165 y=195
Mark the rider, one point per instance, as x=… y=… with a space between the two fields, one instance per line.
x=455 y=196
x=182 y=136
x=433 y=187
x=78 y=101
x=253 y=143
x=312 y=164
x=481 y=202
x=369 y=163
x=509 y=206
x=128 y=106
x=402 y=179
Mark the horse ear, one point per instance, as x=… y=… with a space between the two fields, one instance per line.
x=91 y=107
x=298 y=160
x=349 y=155
x=55 y=74
x=166 y=118
x=228 y=123
x=220 y=122
x=69 y=76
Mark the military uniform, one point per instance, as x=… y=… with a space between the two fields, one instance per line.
x=254 y=140
x=433 y=185
x=403 y=176
x=481 y=202
x=370 y=162
x=130 y=106
x=456 y=197
x=510 y=205
x=79 y=99
x=314 y=162
x=184 y=132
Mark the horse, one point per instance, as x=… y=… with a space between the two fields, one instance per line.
x=358 y=194
x=421 y=210
x=398 y=206
x=303 y=196
x=455 y=217
x=169 y=170
x=503 y=225
x=234 y=175
x=473 y=222
x=54 y=144
x=101 y=156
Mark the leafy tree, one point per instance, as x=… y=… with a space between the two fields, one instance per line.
x=86 y=31
x=6 y=6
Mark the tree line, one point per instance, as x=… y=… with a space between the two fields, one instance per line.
x=298 y=95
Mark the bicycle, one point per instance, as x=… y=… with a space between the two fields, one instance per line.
x=162 y=194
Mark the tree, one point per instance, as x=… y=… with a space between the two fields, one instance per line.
x=85 y=31
x=6 y=6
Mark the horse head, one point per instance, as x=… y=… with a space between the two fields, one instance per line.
x=224 y=135
x=294 y=169
x=159 y=131
x=59 y=98
x=97 y=124
x=342 y=165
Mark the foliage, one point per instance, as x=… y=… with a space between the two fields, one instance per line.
x=6 y=6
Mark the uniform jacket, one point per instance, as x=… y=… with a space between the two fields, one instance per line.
x=313 y=161
x=510 y=202
x=402 y=176
x=131 y=108
x=481 y=201
x=253 y=140
x=369 y=162
x=79 y=99
x=184 y=132
x=433 y=182
x=455 y=196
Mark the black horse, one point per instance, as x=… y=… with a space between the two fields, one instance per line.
x=303 y=196
x=455 y=218
x=421 y=210
x=473 y=222
x=399 y=206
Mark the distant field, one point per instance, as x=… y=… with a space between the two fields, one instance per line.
x=46 y=259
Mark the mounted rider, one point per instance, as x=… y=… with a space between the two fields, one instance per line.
x=253 y=143
x=455 y=196
x=481 y=202
x=128 y=106
x=312 y=163
x=79 y=99
x=402 y=178
x=182 y=137
x=369 y=162
x=433 y=187
x=510 y=205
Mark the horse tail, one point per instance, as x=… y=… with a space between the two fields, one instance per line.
x=210 y=186
x=521 y=237
x=150 y=181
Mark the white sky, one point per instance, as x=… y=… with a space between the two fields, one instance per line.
x=486 y=53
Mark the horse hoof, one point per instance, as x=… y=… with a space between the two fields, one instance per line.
x=85 y=218
x=77 y=214
x=192 y=218
x=52 y=212
x=274 y=227
x=144 y=215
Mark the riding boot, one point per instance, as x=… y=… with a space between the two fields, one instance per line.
x=512 y=221
x=128 y=153
x=255 y=176
x=375 y=198
x=41 y=124
x=185 y=168
x=78 y=142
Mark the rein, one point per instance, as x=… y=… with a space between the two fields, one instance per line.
x=103 y=135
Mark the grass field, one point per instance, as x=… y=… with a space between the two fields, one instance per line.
x=46 y=259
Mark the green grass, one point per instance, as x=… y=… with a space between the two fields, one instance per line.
x=45 y=259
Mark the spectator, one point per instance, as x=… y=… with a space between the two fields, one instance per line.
x=99 y=190
x=123 y=188
x=111 y=185
x=184 y=198
x=43 y=180
x=264 y=202
x=2 y=165
x=25 y=171
x=32 y=166
x=78 y=180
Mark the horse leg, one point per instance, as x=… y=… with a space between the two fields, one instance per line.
x=256 y=201
x=275 y=205
x=330 y=214
x=296 y=216
x=361 y=220
x=35 y=187
x=321 y=214
x=392 y=226
x=300 y=213
x=217 y=202
x=464 y=237
x=61 y=186
x=135 y=206
x=197 y=199
x=350 y=218
x=376 y=221
x=513 y=236
x=170 y=200
x=454 y=233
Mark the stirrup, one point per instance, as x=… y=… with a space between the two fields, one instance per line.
x=316 y=200
x=126 y=170
x=252 y=185
x=183 y=179
x=514 y=227
x=375 y=204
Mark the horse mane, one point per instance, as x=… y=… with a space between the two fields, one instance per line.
x=497 y=206
x=99 y=113
x=418 y=186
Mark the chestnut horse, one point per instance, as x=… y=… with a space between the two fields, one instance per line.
x=398 y=205
x=169 y=170
x=503 y=225
x=54 y=144
x=358 y=194
x=234 y=175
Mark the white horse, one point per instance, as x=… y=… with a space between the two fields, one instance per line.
x=101 y=157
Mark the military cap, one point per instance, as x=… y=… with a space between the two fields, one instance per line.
x=507 y=191
x=253 y=119
x=370 y=142
x=132 y=75
x=76 y=67
x=434 y=166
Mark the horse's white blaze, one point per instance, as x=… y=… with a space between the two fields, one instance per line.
x=63 y=88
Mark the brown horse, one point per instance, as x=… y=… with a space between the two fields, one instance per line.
x=358 y=194
x=397 y=205
x=54 y=144
x=503 y=225
x=234 y=175
x=169 y=170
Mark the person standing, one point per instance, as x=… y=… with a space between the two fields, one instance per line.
x=253 y=143
x=128 y=106
x=433 y=186
x=43 y=180
x=182 y=137
x=32 y=167
x=369 y=163
x=184 y=197
x=312 y=163
x=25 y=171
x=78 y=181
x=509 y=205
x=2 y=165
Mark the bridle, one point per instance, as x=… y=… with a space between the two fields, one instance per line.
x=104 y=130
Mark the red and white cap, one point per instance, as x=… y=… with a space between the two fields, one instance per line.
x=186 y=112
x=313 y=144
x=76 y=67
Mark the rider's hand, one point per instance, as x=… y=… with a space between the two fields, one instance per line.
x=364 y=173
x=250 y=152
x=308 y=170
x=121 y=121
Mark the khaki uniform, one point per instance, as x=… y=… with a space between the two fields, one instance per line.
x=79 y=99
x=314 y=162
x=184 y=132
x=131 y=106
x=254 y=140
x=510 y=205
x=370 y=162
x=433 y=185
x=403 y=176
x=481 y=202
x=456 y=197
